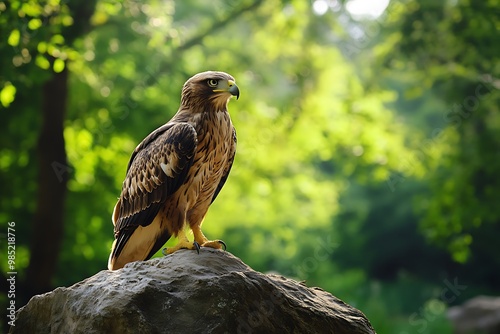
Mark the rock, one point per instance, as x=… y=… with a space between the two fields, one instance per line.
x=213 y=292
x=480 y=314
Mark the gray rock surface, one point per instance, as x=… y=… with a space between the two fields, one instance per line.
x=213 y=292
x=480 y=314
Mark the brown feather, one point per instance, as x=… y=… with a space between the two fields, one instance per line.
x=138 y=207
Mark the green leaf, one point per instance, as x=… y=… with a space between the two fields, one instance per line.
x=7 y=94
x=57 y=39
x=14 y=36
x=34 y=24
x=42 y=47
x=58 y=65
x=42 y=62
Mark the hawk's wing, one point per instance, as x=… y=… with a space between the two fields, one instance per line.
x=157 y=168
x=227 y=169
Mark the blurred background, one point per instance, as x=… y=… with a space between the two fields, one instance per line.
x=368 y=157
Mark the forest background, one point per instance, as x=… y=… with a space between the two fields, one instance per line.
x=368 y=140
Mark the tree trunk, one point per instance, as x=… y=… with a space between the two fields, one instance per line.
x=53 y=170
x=53 y=174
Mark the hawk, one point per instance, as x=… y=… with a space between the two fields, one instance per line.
x=176 y=172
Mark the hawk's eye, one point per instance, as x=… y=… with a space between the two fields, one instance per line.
x=212 y=82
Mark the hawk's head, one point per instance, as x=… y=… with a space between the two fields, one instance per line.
x=209 y=91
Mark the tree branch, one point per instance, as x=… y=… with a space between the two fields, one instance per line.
x=198 y=38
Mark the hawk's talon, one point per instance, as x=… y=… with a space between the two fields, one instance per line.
x=216 y=244
x=183 y=243
x=164 y=251
x=223 y=244
x=202 y=240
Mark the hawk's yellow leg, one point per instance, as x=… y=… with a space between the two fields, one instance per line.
x=200 y=238
x=183 y=243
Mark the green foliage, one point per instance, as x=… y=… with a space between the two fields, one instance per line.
x=351 y=154
x=461 y=65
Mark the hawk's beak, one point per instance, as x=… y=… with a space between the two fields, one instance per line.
x=233 y=89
